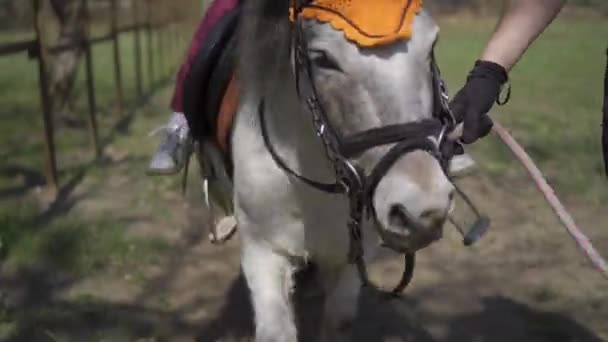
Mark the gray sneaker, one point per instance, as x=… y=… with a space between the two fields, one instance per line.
x=173 y=149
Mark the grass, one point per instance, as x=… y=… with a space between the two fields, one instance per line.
x=66 y=243
x=69 y=245
x=58 y=241
x=36 y=254
x=555 y=107
x=22 y=128
x=554 y=112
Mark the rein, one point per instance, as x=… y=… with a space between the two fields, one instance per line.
x=351 y=180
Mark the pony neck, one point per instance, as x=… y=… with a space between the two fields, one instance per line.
x=291 y=132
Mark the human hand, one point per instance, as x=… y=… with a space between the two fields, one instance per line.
x=471 y=104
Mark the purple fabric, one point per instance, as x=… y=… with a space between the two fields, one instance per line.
x=214 y=13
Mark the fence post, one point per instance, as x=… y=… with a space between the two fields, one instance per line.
x=117 y=70
x=174 y=46
x=161 y=49
x=88 y=60
x=137 y=41
x=605 y=118
x=149 y=40
x=49 y=143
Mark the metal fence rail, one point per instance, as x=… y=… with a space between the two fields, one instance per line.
x=37 y=49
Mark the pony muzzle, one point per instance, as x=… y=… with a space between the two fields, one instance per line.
x=410 y=217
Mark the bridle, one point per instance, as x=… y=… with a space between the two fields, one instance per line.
x=351 y=180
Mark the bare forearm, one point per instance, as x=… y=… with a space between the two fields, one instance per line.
x=521 y=23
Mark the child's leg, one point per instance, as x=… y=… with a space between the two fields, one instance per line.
x=173 y=149
x=170 y=155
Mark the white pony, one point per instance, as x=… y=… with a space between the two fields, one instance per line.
x=285 y=223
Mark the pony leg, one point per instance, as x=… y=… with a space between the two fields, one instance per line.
x=343 y=289
x=270 y=280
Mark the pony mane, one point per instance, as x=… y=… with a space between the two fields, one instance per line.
x=264 y=44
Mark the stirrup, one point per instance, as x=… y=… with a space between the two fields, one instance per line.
x=217 y=193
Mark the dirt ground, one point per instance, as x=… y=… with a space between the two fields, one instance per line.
x=524 y=281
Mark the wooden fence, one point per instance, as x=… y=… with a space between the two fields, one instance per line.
x=37 y=49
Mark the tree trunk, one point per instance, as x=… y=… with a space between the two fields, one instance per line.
x=71 y=15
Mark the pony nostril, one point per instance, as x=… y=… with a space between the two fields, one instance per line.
x=432 y=217
x=400 y=217
x=430 y=214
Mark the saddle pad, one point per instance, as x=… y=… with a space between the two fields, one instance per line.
x=367 y=22
x=218 y=85
x=226 y=115
x=205 y=82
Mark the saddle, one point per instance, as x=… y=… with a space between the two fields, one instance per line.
x=210 y=94
x=210 y=101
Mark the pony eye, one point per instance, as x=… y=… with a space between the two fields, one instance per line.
x=322 y=59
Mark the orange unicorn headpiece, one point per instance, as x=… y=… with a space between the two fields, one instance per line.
x=366 y=22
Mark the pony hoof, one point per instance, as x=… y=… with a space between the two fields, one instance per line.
x=223 y=230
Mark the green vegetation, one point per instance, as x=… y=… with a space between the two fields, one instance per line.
x=30 y=235
x=554 y=112
x=53 y=241
x=21 y=134
x=69 y=244
x=555 y=107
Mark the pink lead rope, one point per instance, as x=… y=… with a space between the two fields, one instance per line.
x=583 y=242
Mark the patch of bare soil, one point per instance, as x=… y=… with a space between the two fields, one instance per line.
x=524 y=281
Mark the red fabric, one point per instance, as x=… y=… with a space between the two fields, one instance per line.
x=216 y=10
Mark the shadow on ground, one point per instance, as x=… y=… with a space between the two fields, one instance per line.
x=31 y=299
x=31 y=179
x=381 y=319
x=39 y=316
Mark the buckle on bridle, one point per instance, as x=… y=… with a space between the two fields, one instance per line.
x=442 y=135
x=350 y=178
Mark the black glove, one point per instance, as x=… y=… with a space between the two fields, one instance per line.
x=472 y=103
